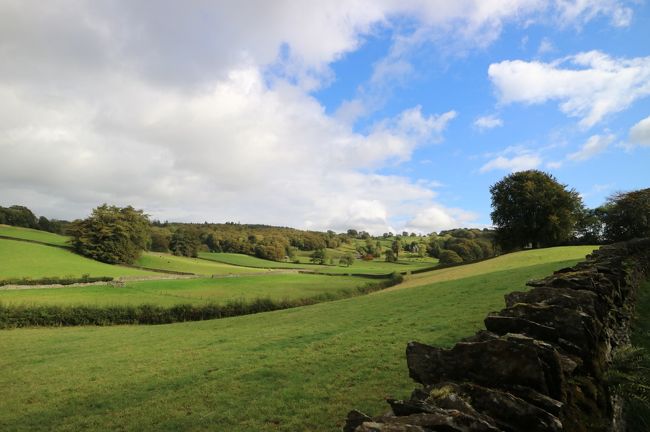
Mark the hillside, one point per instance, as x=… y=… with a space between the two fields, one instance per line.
x=33 y=235
x=169 y=262
x=195 y=291
x=22 y=259
x=297 y=369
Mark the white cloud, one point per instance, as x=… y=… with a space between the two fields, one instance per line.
x=513 y=164
x=640 y=133
x=488 y=122
x=581 y=11
x=437 y=218
x=597 y=85
x=239 y=152
x=545 y=47
x=458 y=27
x=595 y=144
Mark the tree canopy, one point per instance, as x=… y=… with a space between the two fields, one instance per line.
x=532 y=207
x=185 y=241
x=17 y=215
x=626 y=215
x=111 y=234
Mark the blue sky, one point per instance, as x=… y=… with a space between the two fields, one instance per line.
x=377 y=115
x=442 y=81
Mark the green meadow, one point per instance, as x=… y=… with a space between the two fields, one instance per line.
x=169 y=262
x=188 y=291
x=33 y=235
x=291 y=370
x=249 y=261
x=20 y=259
x=504 y=262
x=374 y=267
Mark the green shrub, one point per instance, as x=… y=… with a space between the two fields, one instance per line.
x=55 y=280
x=450 y=257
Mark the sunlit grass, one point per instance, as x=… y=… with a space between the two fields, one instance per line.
x=34 y=235
x=292 y=370
x=20 y=259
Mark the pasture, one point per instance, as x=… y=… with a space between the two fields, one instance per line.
x=33 y=235
x=188 y=291
x=20 y=259
x=169 y=262
x=296 y=369
x=249 y=261
x=374 y=267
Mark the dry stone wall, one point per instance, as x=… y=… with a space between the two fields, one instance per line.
x=540 y=363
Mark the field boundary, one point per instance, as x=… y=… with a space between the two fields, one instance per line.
x=245 y=266
x=306 y=268
x=15 y=316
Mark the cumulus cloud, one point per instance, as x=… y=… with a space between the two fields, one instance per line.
x=238 y=152
x=589 y=85
x=513 y=164
x=596 y=144
x=545 y=47
x=640 y=133
x=488 y=122
x=582 y=11
x=437 y=218
x=458 y=27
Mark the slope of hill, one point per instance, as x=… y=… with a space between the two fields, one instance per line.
x=33 y=235
x=19 y=259
x=199 y=291
x=297 y=369
x=169 y=262
x=374 y=267
x=500 y=263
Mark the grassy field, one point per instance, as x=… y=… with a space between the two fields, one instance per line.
x=21 y=259
x=34 y=235
x=162 y=261
x=248 y=261
x=358 y=267
x=377 y=267
x=503 y=262
x=188 y=291
x=292 y=370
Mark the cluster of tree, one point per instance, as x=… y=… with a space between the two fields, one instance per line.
x=111 y=234
x=370 y=250
x=268 y=242
x=624 y=216
x=462 y=245
x=532 y=209
x=21 y=216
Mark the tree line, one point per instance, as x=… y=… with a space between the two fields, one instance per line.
x=530 y=209
x=21 y=216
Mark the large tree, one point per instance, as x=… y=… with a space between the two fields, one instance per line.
x=17 y=215
x=627 y=215
x=111 y=234
x=185 y=241
x=533 y=208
